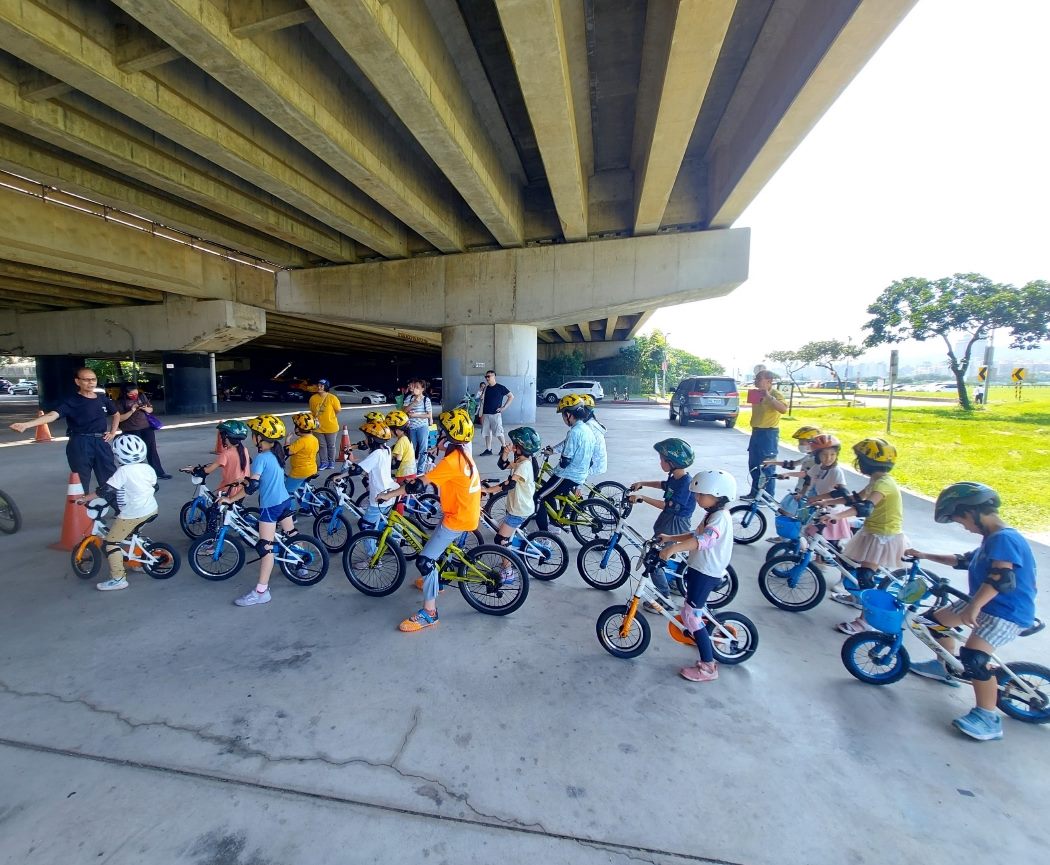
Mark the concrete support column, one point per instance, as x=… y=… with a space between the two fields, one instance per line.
x=468 y=350
x=187 y=382
x=54 y=375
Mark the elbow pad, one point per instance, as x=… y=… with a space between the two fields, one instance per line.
x=508 y=484
x=863 y=508
x=503 y=462
x=109 y=494
x=564 y=461
x=414 y=486
x=251 y=486
x=1003 y=580
x=962 y=561
x=789 y=465
x=839 y=493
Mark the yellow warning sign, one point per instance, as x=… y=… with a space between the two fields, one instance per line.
x=1017 y=374
x=982 y=373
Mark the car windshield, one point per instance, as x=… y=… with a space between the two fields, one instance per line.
x=717 y=385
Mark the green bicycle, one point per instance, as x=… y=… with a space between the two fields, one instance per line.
x=492 y=579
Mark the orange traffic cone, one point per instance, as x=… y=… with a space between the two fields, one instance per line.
x=43 y=434
x=344 y=444
x=75 y=522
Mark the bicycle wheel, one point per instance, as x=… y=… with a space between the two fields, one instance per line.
x=609 y=627
x=193 y=519
x=329 y=484
x=1015 y=702
x=602 y=570
x=216 y=560
x=601 y=520
x=781 y=548
x=611 y=490
x=362 y=500
x=373 y=570
x=739 y=643
x=168 y=561
x=10 y=515
x=870 y=657
x=722 y=595
x=505 y=583
x=748 y=526
x=86 y=557
x=333 y=530
x=473 y=540
x=311 y=561
x=775 y=578
x=545 y=555
x=425 y=512
x=496 y=507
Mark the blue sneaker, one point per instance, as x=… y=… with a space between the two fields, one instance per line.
x=934 y=669
x=980 y=724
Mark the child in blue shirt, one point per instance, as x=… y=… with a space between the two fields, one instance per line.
x=576 y=453
x=1001 y=575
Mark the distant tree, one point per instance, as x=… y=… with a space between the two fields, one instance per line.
x=966 y=304
x=828 y=354
x=645 y=356
x=562 y=367
x=791 y=363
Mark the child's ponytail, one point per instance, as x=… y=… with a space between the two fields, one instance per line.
x=279 y=452
x=242 y=455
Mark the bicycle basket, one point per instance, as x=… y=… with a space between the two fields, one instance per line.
x=882 y=611
x=788 y=527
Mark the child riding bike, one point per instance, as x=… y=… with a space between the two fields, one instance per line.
x=302 y=452
x=520 y=485
x=577 y=451
x=1002 y=582
x=232 y=456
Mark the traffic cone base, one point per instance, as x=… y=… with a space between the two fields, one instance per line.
x=43 y=434
x=75 y=521
x=344 y=444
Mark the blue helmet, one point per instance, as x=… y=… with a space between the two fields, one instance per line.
x=325 y=383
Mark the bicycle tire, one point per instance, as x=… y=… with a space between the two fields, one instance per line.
x=589 y=563
x=86 y=557
x=168 y=561
x=603 y=518
x=427 y=512
x=750 y=527
x=314 y=565
x=743 y=643
x=868 y=651
x=193 y=519
x=332 y=530
x=10 y=515
x=611 y=490
x=782 y=548
x=805 y=595
x=329 y=484
x=610 y=620
x=721 y=595
x=1010 y=701
x=384 y=577
x=544 y=565
x=496 y=507
x=203 y=562
x=501 y=594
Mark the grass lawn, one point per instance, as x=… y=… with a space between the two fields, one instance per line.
x=1006 y=445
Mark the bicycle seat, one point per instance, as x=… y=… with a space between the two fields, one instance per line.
x=313 y=477
x=1035 y=628
x=146 y=521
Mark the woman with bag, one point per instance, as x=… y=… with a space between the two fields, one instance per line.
x=420 y=413
x=325 y=407
x=137 y=418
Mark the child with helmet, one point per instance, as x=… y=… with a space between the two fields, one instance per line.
x=376 y=466
x=325 y=408
x=459 y=485
x=577 y=451
x=402 y=452
x=677 y=503
x=825 y=483
x=881 y=542
x=302 y=450
x=710 y=547
x=232 y=456
x=1001 y=575
x=600 y=458
x=520 y=457
x=275 y=505
x=789 y=505
x=130 y=491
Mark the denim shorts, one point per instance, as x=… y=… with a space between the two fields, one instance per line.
x=276 y=513
x=513 y=521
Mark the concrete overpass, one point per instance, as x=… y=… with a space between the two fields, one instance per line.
x=479 y=175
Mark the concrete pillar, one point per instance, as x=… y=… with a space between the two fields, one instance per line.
x=54 y=375
x=468 y=350
x=187 y=382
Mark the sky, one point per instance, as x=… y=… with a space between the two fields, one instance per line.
x=932 y=162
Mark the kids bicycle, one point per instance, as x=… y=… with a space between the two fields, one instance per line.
x=220 y=554
x=879 y=657
x=749 y=520
x=624 y=633
x=543 y=553
x=10 y=515
x=158 y=560
x=605 y=564
x=605 y=491
x=193 y=516
x=492 y=579
x=586 y=518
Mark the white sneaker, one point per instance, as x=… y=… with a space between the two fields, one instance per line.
x=253 y=598
x=112 y=585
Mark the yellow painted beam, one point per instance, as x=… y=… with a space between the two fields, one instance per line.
x=254 y=17
x=137 y=49
x=36 y=86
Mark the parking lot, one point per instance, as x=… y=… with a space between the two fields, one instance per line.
x=163 y=724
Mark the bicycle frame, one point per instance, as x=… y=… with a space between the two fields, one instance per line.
x=133 y=548
x=623 y=531
x=520 y=542
x=233 y=519
x=453 y=566
x=546 y=470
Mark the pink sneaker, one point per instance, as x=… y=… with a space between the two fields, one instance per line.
x=702 y=672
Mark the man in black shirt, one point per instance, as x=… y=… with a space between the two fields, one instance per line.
x=494 y=400
x=91 y=419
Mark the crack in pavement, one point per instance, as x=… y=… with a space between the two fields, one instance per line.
x=238 y=747
x=408 y=735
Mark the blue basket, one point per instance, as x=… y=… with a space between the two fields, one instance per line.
x=788 y=527
x=882 y=611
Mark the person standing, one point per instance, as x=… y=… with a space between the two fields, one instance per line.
x=494 y=400
x=134 y=408
x=420 y=413
x=767 y=405
x=325 y=407
x=92 y=422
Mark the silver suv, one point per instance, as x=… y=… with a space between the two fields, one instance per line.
x=705 y=397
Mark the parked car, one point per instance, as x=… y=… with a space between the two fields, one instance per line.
x=354 y=393
x=24 y=388
x=834 y=385
x=594 y=388
x=705 y=397
x=5 y=386
x=436 y=389
x=262 y=390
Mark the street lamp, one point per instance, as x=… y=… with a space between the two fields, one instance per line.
x=663 y=366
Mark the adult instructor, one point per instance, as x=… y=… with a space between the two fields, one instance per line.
x=765 y=429
x=325 y=408
x=91 y=420
x=494 y=399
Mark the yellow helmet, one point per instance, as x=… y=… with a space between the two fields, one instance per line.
x=397 y=418
x=375 y=416
x=304 y=421
x=805 y=433
x=268 y=427
x=376 y=428
x=878 y=454
x=570 y=401
x=457 y=425
x=588 y=400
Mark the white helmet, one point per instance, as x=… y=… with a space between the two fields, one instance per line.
x=714 y=483
x=129 y=449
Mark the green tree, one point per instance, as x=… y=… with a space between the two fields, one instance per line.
x=966 y=304
x=645 y=357
x=828 y=354
x=552 y=372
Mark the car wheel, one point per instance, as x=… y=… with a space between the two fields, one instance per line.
x=551 y=398
x=366 y=400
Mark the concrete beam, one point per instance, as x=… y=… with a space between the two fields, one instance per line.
x=16 y=290
x=399 y=48
x=547 y=286
x=67 y=288
x=180 y=324
x=610 y=327
x=286 y=78
x=36 y=86
x=639 y=323
x=585 y=330
x=137 y=49
x=255 y=17
x=536 y=37
x=770 y=115
x=590 y=350
x=565 y=334
x=683 y=40
x=183 y=107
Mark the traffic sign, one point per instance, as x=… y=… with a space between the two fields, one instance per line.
x=1017 y=374
x=982 y=373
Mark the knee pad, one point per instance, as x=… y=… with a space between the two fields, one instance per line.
x=691 y=618
x=263 y=548
x=866 y=578
x=424 y=564
x=505 y=541
x=975 y=664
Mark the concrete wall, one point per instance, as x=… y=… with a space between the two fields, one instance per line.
x=510 y=349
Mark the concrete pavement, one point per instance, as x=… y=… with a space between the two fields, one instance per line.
x=162 y=724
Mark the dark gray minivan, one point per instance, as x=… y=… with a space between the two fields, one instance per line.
x=705 y=397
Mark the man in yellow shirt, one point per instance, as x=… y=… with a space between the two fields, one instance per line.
x=767 y=405
x=325 y=407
